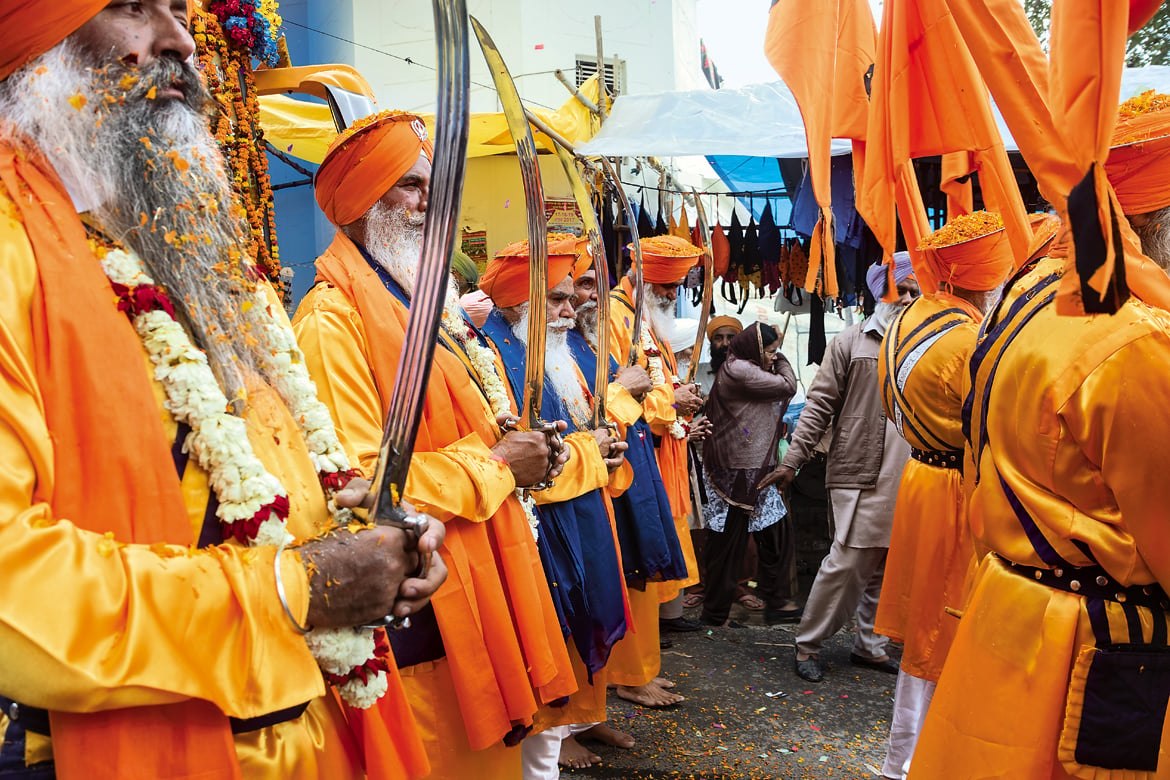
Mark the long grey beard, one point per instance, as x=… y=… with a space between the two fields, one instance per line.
x=660 y=312
x=162 y=189
x=884 y=313
x=587 y=321
x=1155 y=238
x=559 y=366
x=394 y=239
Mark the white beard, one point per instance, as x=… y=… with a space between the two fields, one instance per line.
x=884 y=313
x=659 y=311
x=394 y=239
x=559 y=366
x=587 y=321
x=683 y=366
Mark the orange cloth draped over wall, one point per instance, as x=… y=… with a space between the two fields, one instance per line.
x=823 y=51
x=29 y=28
x=502 y=636
x=929 y=99
x=366 y=160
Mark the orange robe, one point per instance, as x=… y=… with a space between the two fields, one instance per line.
x=922 y=374
x=1067 y=418
x=658 y=410
x=504 y=651
x=92 y=623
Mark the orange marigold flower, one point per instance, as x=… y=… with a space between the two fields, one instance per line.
x=963 y=228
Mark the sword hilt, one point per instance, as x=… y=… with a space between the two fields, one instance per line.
x=414 y=525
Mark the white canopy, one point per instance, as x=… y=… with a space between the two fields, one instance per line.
x=759 y=120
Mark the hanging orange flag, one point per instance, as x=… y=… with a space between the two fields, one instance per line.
x=1062 y=118
x=824 y=51
x=929 y=99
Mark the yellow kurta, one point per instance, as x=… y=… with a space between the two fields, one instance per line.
x=63 y=659
x=1068 y=417
x=922 y=371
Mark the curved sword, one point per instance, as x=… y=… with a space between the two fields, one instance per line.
x=537 y=226
x=430 y=290
x=708 y=290
x=601 y=269
x=639 y=293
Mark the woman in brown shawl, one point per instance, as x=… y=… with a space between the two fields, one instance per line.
x=746 y=410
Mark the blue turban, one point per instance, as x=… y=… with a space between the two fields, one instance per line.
x=876 y=276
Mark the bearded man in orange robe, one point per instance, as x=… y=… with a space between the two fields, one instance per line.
x=478 y=666
x=138 y=635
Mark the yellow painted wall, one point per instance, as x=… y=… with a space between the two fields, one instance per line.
x=493 y=197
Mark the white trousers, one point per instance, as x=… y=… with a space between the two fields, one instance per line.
x=911 y=701
x=539 y=752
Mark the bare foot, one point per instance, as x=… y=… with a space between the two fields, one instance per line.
x=607 y=735
x=575 y=756
x=662 y=682
x=649 y=695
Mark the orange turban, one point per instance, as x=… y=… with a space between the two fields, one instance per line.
x=506 y=277
x=584 y=262
x=1138 y=166
x=971 y=251
x=723 y=321
x=1045 y=228
x=666 y=259
x=366 y=160
x=29 y=28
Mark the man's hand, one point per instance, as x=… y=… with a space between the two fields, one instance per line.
x=355 y=578
x=688 y=399
x=782 y=478
x=532 y=456
x=612 y=449
x=701 y=428
x=415 y=592
x=636 y=381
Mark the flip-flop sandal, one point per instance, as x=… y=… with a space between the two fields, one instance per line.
x=751 y=601
x=692 y=600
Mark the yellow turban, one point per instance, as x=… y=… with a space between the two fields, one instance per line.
x=723 y=321
x=506 y=277
x=366 y=160
x=584 y=261
x=666 y=259
x=29 y=28
x=1138 y=166
x=970 y=251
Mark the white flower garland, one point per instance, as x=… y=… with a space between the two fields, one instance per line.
x=483 y=361
x=219 y=443
x=657 y=375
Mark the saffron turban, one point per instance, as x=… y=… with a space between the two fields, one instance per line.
x=506 y=277
x=366 y=160
x=1045 y=228
x=971 y=251
x=29 y=28
x=1138 y=166
x=723 y=321
x=584 y=262
x=876 y=276
x=666 y=259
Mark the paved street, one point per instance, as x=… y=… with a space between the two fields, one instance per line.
x=748 y=716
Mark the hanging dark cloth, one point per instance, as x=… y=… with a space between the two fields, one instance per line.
x=645 y=226
x=816 y=330
x=660 y=226
x=578 y=552
x=609 y=238
x=645 y=525
x=769 y=244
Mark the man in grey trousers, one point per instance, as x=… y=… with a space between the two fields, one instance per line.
x=863 y=468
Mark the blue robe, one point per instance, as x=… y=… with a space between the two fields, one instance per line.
x=576 y=540
x=645 y=525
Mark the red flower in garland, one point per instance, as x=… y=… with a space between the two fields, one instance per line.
x=244 y=531
x=370 y=668
x=141 y=299
x=336 y=480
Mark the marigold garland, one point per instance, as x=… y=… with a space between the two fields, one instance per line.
x=228 y=71
x=965 y=227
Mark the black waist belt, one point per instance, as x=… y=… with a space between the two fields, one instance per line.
x=1093 y=582
x=943 y=459
x=36 y=720
x=421 y=642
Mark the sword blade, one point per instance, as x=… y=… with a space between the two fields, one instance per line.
x=430 y=291
x=521 y=134
x=708 y=290
x=632 y=223
x=601 y=269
